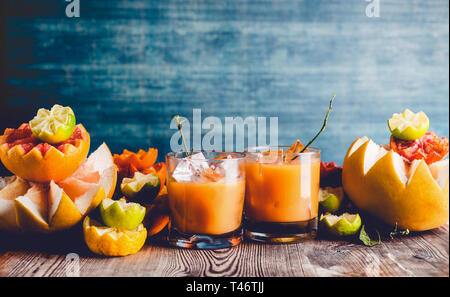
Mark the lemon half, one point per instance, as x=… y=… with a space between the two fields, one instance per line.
x=409 y=125
x=55 y=125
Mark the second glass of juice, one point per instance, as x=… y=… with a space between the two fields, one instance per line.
x=206 y=199
x=282 y=194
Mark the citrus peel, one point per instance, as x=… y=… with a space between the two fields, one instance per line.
x=408 y=125
x=413 y=195
x=53 y=126
x=47 y=207
x=41 y=162
x=113 y=241
x=343 y=225
x=121 y=214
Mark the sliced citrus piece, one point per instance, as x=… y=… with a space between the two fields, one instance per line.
x=331 y=198
x=55 y=125
x=102 y=161
x=141 y=188
x=157 y=216
x=121 y=214
x=129 y=162
x=343 y=225
x=93 y=181
x=408 y=125
x=53 y=206
x=112 y=241
x=160 y=170
x=86 y=196
x=429 y=147
x=63 y=213
x=10 y=188
x=32 y=210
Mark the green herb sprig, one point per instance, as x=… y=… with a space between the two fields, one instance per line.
x=180 y=129
x=398 y=232
x=325 y=121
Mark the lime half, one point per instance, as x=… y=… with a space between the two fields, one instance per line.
x=409 y=125
x=142 y=188
x=121 y=214
x=343 y=225
x=54 y=125
x=330 y=199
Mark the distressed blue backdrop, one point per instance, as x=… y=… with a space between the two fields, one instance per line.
x=126 y=67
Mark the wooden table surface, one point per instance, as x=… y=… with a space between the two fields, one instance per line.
x=423 y=254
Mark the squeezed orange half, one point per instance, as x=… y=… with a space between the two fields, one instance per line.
x=206 y=207
x=282 y=192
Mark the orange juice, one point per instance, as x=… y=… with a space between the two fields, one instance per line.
x=206 y=207
x=282 y=192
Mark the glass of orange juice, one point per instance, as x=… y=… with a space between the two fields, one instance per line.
x=282 y=194
x=206 y=198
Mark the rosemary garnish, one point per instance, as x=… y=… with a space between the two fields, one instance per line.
x=398 y=232
x=180 y=129
x=325 y=121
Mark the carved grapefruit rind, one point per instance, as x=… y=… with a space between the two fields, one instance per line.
x=55 y=165
x=383 y=184
x=48 y=207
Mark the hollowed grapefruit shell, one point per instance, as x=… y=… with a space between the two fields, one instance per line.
x=47 y=207
x=414 y=197
x=54 y=165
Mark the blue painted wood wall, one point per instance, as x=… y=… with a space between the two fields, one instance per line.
x=126 y=67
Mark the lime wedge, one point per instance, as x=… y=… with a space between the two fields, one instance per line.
x=121 y=214
x=142 y=188
x=409 y=125
x=330 y=199
x=55 y=125
x=343 y=225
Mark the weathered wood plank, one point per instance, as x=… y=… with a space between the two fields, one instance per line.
x=424 y=254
